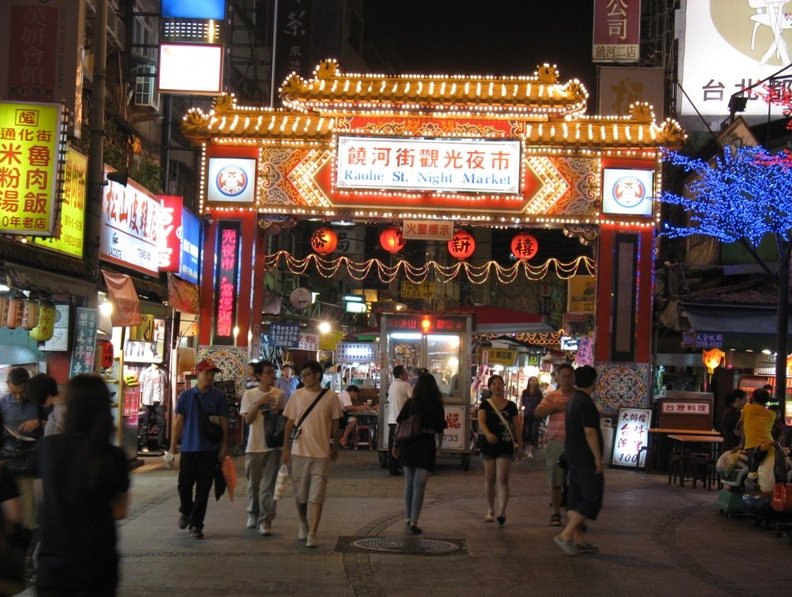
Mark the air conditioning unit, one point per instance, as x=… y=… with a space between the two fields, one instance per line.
x=146 y=91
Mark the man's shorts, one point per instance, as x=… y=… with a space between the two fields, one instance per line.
x=309 y=476
x=585 y=492
x=555 y=473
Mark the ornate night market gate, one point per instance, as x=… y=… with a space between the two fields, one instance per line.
x=434 y=152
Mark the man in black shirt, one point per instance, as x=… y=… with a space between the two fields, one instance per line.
x=583 y=450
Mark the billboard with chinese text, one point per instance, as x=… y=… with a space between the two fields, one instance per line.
x=68 y=236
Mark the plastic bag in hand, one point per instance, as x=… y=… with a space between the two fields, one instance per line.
x=281 y=481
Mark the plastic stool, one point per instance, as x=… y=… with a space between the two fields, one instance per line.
x=364 y=435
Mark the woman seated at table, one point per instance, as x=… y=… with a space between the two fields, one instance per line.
x=348 y=422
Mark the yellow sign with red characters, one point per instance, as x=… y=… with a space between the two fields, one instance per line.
x=68 y=237
x=32 y=140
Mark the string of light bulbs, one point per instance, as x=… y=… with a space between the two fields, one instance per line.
x=476 y=274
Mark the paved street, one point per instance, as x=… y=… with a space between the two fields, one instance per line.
x=654 y=539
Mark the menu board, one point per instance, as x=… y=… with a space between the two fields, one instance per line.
x=286 y=335
x=632 y=434
x=84 y=349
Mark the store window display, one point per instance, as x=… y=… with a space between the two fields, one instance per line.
x=153 y=383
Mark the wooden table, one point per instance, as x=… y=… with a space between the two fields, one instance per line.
x=368 y=418
x=682 y=440
x=651 y=447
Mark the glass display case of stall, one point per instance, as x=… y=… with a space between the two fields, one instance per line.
x=441 y=344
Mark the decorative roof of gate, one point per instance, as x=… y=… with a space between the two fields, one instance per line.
x=330 y=90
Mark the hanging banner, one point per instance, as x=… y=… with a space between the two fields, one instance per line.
x=189 y=253
x=122 y=294
x=182 y=296
x=84 y=349
x=32 y=156
x=293 y=39
x=617 y=30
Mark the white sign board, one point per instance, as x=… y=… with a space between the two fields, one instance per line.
x=455 y=434
x=231 y=180
x=631 y=434
x=464 y=165
x=192 y=69
x=726 y=47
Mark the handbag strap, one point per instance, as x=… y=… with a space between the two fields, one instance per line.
x=502 y=420
x=309 y=409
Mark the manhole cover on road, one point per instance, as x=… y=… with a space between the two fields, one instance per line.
x=406 y=545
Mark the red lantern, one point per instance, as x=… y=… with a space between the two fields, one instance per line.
x=324 y=241
x=392 y=240
x=524 y=246
x=462 y=245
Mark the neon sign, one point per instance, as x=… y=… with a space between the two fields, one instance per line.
x=226 y=274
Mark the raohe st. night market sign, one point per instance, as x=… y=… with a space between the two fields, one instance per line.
x=32 y=155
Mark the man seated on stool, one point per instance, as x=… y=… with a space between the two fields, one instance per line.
x=349 y=423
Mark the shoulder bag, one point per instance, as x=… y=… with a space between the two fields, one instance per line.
x=210 y=431
x=296 y=430
x=274 y=428
x=408 y=429
x=503 y=421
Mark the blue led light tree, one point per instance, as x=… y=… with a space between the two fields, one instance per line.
x=742 y=196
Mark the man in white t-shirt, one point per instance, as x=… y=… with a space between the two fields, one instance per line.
x=261 y=406
x=310 y=453
x=398 y=394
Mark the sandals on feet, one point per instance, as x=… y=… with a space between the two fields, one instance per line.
x=489 y=517
x=555 y=520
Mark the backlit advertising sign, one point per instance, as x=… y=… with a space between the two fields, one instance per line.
x=170 y=220
x=229 y=237
x=193 y=9
x=190 y=240
x=727 y=46
x=627 y=192
x=464 y=165
x=130 y=229
x=191 y=69
x=231 y=180
x=68 y=236
x=32 y=156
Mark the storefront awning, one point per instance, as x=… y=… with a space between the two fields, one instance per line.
x=732 y=319
x=490 y=319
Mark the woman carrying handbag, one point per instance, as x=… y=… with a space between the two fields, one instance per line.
x=497 y=418
x=418 y=455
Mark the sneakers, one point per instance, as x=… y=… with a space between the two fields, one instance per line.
x=183 y=521
x=251 y=523
x=196 y=533
x=414 y=530
x=302 y=534
x=568 y=547
x=265 y=529
x=310 y=540
x=587 y=548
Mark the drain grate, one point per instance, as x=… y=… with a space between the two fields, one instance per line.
x=410 y=545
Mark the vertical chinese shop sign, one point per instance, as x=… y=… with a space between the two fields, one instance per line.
x=84 y=349
x=31 y=162
x=226 y=274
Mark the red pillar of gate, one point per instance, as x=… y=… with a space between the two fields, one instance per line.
x=625 y=279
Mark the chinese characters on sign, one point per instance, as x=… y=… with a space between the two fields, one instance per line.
x=421 y=230
x=693 y=339
x=31 y=161
x=454 y=434
x=357 y=352
x=617 y=30
x=497 y=356
x=465 y=165
x=632 y=434
x=84 y=349
x=69 y=231
x=294 y=33
x=686 y=408
x=227 y=270
x=285 y=335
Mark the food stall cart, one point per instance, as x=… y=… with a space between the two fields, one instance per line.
x=441 y=344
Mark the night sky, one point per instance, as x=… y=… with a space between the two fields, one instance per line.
x=496 y=37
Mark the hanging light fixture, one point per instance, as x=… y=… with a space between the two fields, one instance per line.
x=462 y=245
x=391 y=240
x=324 y=241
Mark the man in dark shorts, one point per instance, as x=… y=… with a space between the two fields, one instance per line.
x=583 y=450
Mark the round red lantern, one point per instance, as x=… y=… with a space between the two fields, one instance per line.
x=462 y=245
x=324 y=241
x=524 y=246
x=391 y=240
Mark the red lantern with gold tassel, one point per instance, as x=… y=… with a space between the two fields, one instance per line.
x=524 y=246
x=462 y=245
x=324 y=241
x=391 y=240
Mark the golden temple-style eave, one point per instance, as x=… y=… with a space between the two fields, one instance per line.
x=331 y=90
x=227 y=119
